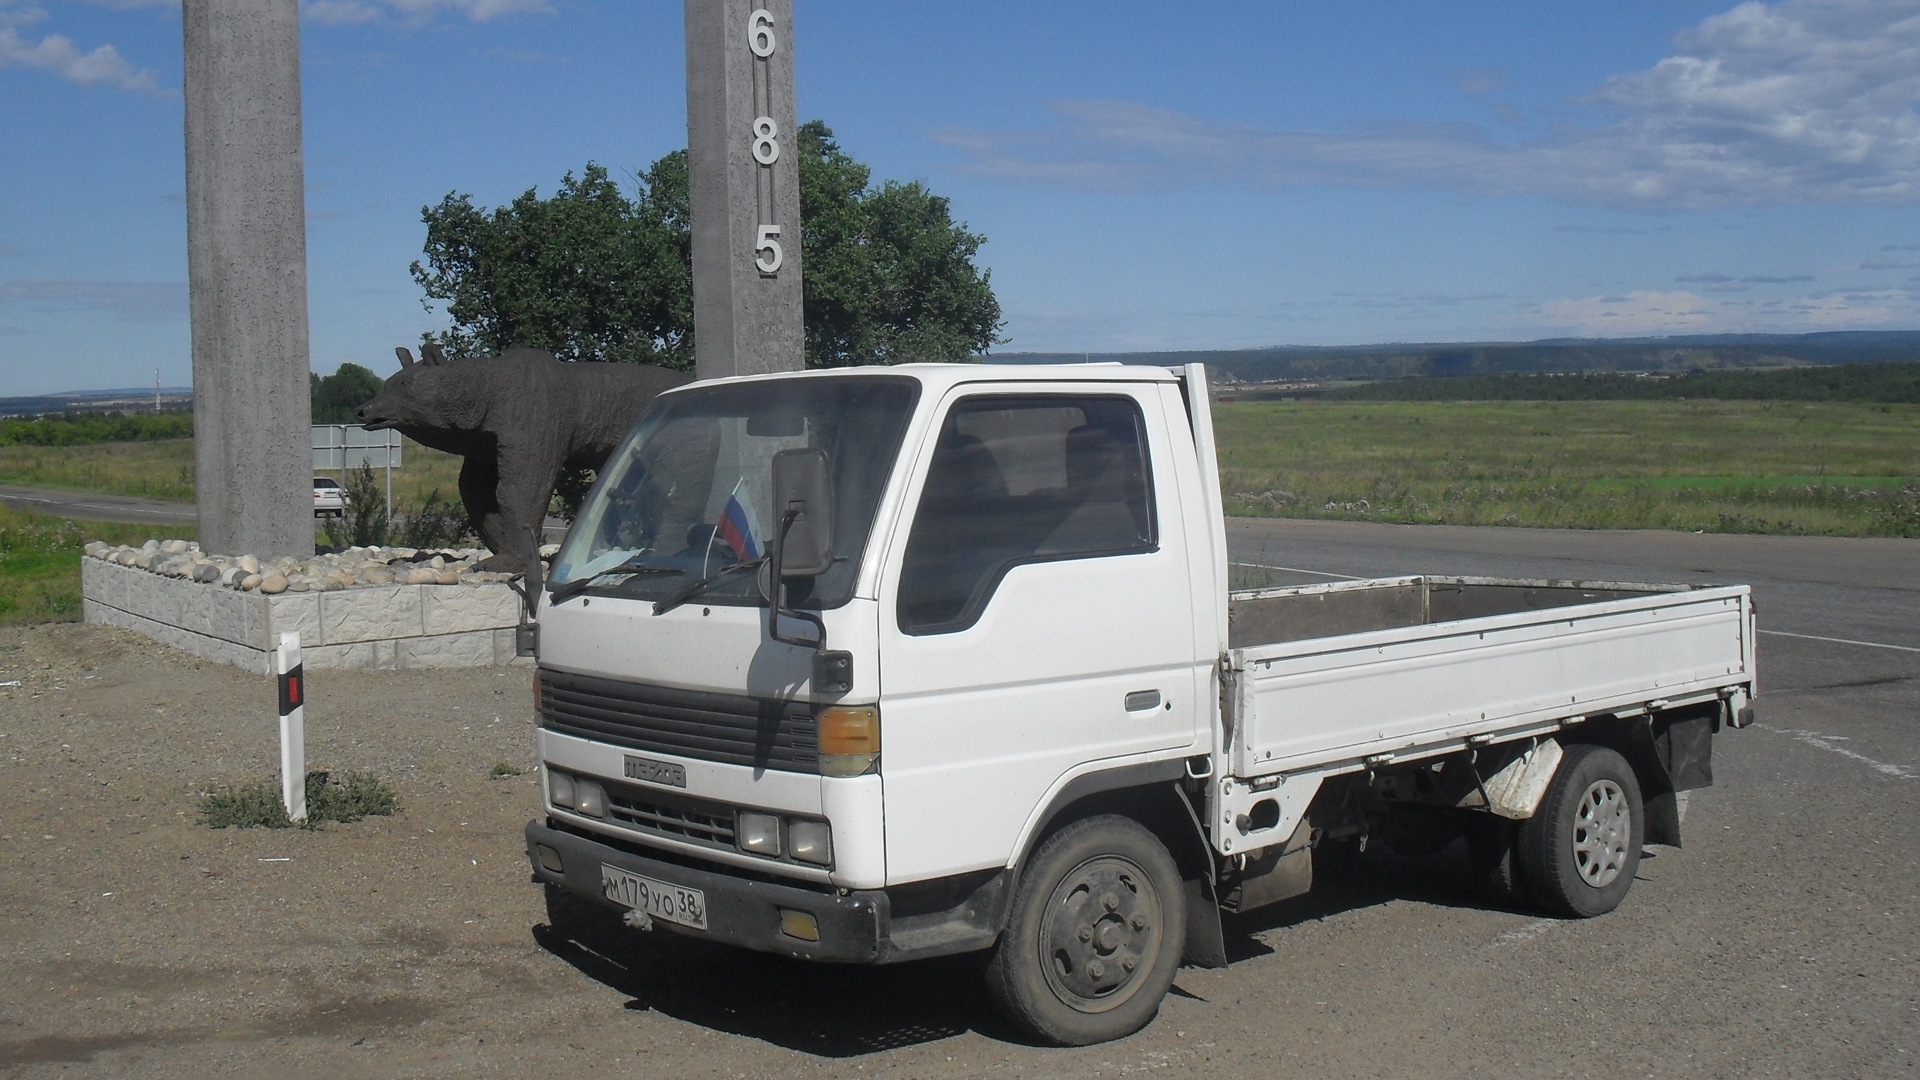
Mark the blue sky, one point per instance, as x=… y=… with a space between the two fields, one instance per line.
x=1148 y=175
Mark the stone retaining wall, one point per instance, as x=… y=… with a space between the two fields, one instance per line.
x=369 y=626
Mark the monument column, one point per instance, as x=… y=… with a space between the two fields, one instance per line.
x=247 y=276
x=743 y=188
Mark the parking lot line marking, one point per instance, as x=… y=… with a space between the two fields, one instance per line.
x=1826 y=742
x=1525 y=933
x=1842 y=641
x=1297 y=570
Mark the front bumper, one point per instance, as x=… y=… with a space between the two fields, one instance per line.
x=740 y=911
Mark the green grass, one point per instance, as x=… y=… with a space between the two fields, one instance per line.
x=1721 y=466
x=1826 y=468
x=40 y=562
x=152 y=470
x=164 y=470
x=258 y=806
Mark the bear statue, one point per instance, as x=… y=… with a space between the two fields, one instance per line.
x=517 y=419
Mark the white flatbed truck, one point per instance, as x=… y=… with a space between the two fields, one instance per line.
x=879 y=664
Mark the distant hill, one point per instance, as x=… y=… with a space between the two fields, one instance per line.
x=126 y=399
x=1705 y=352
x=1881 y=383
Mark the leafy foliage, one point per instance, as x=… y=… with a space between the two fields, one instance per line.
x=587 y=274
x=590 y=274
x=889 y=275
x=85 y=429
x=336 y=396
x=436 y=522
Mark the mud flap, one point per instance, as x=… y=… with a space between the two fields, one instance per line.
x=1206 y=944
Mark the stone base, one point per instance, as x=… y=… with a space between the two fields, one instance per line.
x=373 y=626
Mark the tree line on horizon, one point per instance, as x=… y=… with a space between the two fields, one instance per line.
x=1876 y=383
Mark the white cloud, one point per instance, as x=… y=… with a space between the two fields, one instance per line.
x=18 y=14
x=143 y=301
x=59 y=55
x=1633 y=314
x=416 y=12
x=1801 y=101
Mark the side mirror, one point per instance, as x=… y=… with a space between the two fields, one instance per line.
x=803 y=502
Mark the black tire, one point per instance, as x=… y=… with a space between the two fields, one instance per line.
x=1581 y=849
x=1493 y=856
x=1098 y=921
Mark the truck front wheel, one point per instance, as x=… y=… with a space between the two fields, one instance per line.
x=1095 y=934
x=1581 y=848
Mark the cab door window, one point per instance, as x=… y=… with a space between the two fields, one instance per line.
x=1020 y=479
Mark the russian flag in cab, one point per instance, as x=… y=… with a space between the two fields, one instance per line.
x=737 y=526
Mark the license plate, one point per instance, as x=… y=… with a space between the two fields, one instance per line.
x=671 y=903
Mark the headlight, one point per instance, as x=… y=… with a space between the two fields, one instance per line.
x=589 y=798
x=560 y=789
x=811 y=841
x=757 y=833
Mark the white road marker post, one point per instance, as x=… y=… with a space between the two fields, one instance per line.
x=293 y=726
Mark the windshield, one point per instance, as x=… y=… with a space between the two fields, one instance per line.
x=689 y=493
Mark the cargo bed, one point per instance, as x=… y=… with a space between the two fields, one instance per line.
x=1335 y=678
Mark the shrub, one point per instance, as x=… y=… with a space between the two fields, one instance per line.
x=438 y=522
x=257 y=805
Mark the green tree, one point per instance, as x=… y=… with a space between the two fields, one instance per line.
x=587 y=275
x=336 y=396
x=592 y=274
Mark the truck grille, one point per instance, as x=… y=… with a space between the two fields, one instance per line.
x=762 y=733
x=689 y=819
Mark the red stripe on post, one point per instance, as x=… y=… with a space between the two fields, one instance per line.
x=292 y=693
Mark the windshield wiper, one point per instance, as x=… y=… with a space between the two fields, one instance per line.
x=687 y=591
x=567 y=590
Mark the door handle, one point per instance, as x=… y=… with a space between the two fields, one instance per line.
x=1142 y=700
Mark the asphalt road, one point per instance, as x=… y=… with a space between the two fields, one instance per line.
x=1780 y=941
x=91 y=506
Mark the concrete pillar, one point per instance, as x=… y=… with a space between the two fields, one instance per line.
x=743 y=188
x=247 y=274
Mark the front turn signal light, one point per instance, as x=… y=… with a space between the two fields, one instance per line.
x=849 y=740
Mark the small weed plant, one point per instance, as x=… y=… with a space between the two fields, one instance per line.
x=257 y=806
x=436 y=522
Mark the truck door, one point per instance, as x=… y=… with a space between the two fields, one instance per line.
x=1036 y=615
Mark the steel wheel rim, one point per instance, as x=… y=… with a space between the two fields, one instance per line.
x=1602 y=833
x=1103 y=930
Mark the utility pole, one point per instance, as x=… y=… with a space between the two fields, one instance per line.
x=743 y=188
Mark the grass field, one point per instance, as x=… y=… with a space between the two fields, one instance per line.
x=1825 y=468
x=1721 y=466
x=164 y=470
x=40 y=563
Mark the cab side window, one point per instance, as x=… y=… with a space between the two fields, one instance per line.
x=1018 y=479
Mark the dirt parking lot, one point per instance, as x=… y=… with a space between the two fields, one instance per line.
x=136 y=942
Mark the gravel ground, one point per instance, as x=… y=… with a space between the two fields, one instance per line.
x=1784 y=940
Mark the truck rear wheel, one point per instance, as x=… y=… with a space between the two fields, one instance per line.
x=1581 y=848
x=1095 y=935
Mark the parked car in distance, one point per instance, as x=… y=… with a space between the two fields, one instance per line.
x=329 y=498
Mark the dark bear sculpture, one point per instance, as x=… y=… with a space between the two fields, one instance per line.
x=518 y=419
